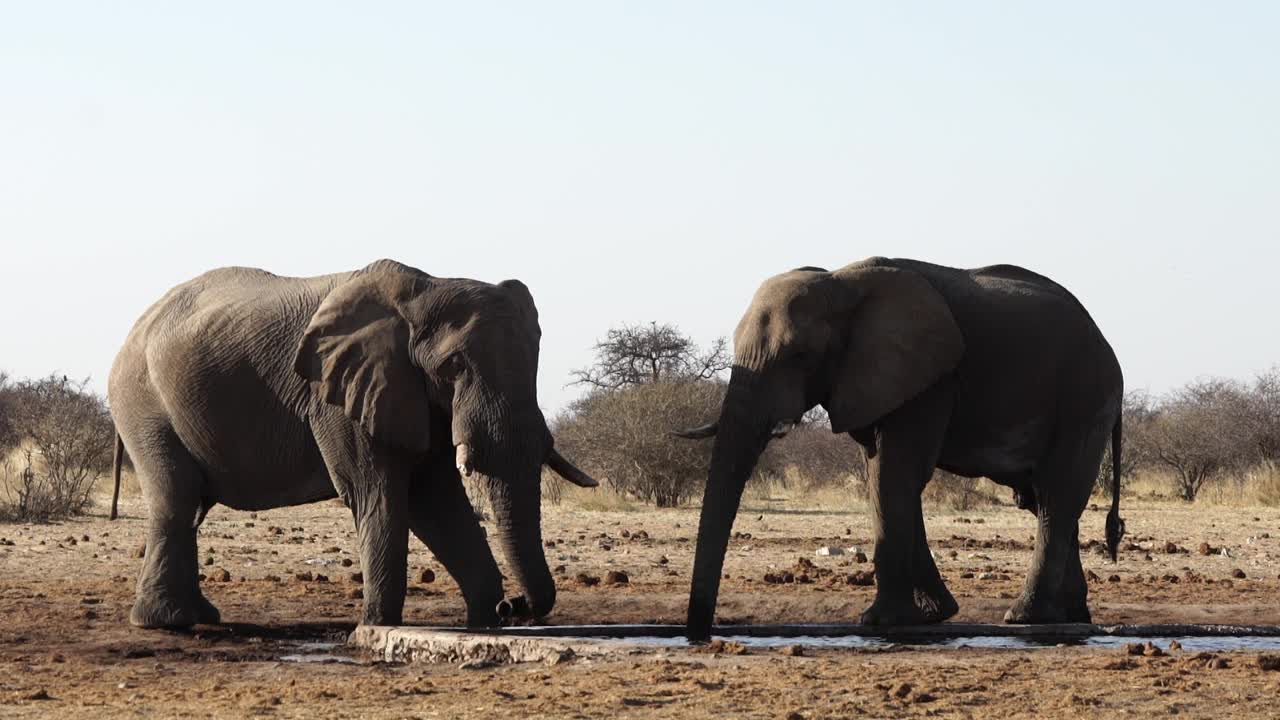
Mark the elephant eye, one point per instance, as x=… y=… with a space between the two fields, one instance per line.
x=453 y=366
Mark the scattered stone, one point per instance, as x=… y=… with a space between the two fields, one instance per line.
x=616 y=577
x=1133 y=649
x=346 y=562
x=1092 y=576
x=966 y=576
x=1171 y=548
x=140 y=551
x=794 y=715
x=725 y=647
x=322 y=578
x=1205 y=549
x=1269 y=663
x=426 y=576
x=587 y=580
x=987 y=576
x=476 y=665
x=305 y=576
x=1238 y=574
x=356 y=593
x=38 y=695
x=208 y=560
x=901 y=690
x=272 y=578
x=220 y=575
x=356 y=577
x=861 y=557
x=1218 y=663
x=826 y=551
x=1152 y=650
x=1174 y=646
x=863 y=578
x=793 y=651
x=923 y=697
x=1113 y=579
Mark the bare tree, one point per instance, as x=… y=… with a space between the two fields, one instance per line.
x=1197 y=433
x=8 y=433
x=639 y=355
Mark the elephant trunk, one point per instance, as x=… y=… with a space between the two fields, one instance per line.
x=518 y=516
x=743 y=434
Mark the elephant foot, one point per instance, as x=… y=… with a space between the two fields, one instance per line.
x=159 y=611
x=1030 y=612
x=883 y=613
x=936 y=606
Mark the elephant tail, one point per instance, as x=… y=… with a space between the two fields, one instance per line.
x=115 y=470
x=1115 y=525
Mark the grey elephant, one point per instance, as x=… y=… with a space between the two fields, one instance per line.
x=382 y=386
x=996 y=372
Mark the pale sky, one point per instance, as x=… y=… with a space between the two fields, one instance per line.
x=644 y=161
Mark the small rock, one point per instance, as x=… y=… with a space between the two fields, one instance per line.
x=322 y=578
x=1133 y=649
x=826 y=551
x=923 y=697
x=220 y=575
x=1152 y=650
x=346 y=562
x=901 y=690
x=1218 y=663
x=38 y=695
x=1238 y=574
x=356 y=593
x=861 y=578
x=140 y=551
x=1174 y=645
x=616 y=577
x=986 y=576
x=793 y=651
x=795 y=715
x=1113 y=578
x=356 y=577
x=1170 y=548
x=861 y=557
x=587 y=580
x=1205 y=549
x=426 y=576
x=305 y=576
x=476 y=665
x=1270 y=663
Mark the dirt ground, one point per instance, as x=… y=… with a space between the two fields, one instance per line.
x=285 y=582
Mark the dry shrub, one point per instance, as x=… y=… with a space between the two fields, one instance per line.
x=622 y=438
x=953 y=492
x=67 y=441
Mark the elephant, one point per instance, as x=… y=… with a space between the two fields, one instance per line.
x=383 y=386
x=994 y=372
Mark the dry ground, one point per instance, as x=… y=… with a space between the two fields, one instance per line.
x=66 y=649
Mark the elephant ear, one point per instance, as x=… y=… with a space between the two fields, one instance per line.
x=902 y=339
x=356 y=353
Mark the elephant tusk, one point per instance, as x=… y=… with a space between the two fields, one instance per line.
x=697 y=433
x=463 y=460
x=569 y=471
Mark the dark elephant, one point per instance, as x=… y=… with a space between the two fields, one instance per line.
x=381 y=386
x=996 y=372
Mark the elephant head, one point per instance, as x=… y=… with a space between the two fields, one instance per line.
x=395 y=347
x=859 y=341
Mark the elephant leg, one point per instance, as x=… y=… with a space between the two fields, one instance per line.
x=1056 y=590
x=168 y=591
x=442 y=517
x=909 y=589
x=932 y=597
x=376 y=488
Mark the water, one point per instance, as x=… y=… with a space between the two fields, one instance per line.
x=318 y=652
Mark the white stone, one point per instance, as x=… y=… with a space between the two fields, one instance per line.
x=825 y=551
